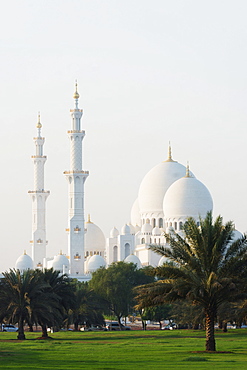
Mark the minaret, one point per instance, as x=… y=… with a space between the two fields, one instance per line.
x=39 y=196
x=76 y=178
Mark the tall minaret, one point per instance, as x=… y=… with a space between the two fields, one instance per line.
x=39 y=196
x=76 y=178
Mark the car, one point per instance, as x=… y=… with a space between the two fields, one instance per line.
x=170 y=327
x=9 y=328
x=93 y=328
x=115 y=326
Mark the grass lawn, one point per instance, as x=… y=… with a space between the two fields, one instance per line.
x=178 y=349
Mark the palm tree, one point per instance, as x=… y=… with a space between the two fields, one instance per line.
x=88 y=307
x=17 y=293
x=59 y=298
x=204 y=266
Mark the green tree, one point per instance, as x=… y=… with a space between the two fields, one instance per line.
x=52 y=306
x=18 y=291
x=115 y=287
x=205 y=267
x=87 y=308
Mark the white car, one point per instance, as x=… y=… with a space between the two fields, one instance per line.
x=94 y=328
x=9 y=327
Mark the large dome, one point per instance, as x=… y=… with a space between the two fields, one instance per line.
x=155 y=184
x=94 y=238
x=135 y=214
x=187 y=197
x=24 y=262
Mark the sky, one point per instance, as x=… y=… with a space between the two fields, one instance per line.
x=148 y=72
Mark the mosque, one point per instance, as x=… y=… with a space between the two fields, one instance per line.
x=168 y=195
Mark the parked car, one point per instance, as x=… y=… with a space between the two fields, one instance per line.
x=9 y=327
x=170 y=327
x=93 y=328
x=115 y=326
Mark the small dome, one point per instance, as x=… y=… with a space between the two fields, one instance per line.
x=133 y=259
x=125 y=230
x=95 y=262
x=135 y=213
x=94 y=238
x=162 y=261
x=24 y=262
x=146 y=228
x=187 y=197
x=236 y=235
x=132 y=229
x=114 y=233
x=59 y=262
x=156 y=231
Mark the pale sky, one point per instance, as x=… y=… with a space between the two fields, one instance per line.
x=148 y=72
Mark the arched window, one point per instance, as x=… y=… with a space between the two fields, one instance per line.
x=175 y=225
x=153 y=222
x=126 y=250
x=160 y=222
x=143 y=241
x=180 y=225
x=115 y=249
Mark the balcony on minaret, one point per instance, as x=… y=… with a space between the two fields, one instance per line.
x=39 y=191
x=78 y=172
x=77 y=257
x=77 y=229
x=76 y=132
x=39 y=264
x=39 y=241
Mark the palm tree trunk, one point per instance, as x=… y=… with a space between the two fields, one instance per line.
x=210 y=340
x=21 y=335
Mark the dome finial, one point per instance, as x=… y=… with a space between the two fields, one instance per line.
x=76 y=94
x=169 y=159
x=89 y=219
x=61 y=253
x=25 y=252
x=187 y=170
x=169 y=152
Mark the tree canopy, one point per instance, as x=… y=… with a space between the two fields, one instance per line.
x=115 y=286
x=205 y=267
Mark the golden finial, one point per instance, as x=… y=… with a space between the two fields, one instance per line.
x=25 y=252
x=76 y=94
x=39 y=123
x=61 y=253
x=187 y=170
x=89 y=219
x=169 y=159
x=169 y=152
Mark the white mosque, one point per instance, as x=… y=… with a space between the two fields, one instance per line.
x=168 y=195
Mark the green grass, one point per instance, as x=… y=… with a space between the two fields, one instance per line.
x=178 y=349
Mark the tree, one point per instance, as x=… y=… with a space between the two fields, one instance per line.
x=87 y=308
x=115 y=286
x=18 y=292
x=204 y=266
x=52 y=306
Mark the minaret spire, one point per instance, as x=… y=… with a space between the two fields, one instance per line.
x=76 y=178
x=39 y=196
